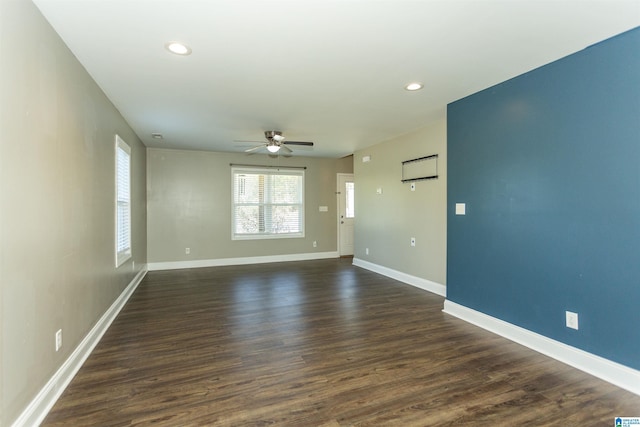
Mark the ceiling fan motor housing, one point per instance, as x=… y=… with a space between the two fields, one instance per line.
x=273 y=135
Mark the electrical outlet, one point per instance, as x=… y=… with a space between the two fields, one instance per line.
x=58 y=339
x=413 y=241
x=187 y=251
x=315 y=244
x=572 y=320
x=366 y=251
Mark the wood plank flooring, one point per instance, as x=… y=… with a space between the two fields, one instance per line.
x=317 y=343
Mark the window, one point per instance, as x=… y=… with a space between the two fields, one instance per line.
x=123 y=201
x=267 y=203
x=349 y=199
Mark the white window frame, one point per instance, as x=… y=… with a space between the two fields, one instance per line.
x=267 y=171
x=123 y=253
x=349 y=201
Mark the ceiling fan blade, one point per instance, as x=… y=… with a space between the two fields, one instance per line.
x=250 y=150
x=285 y=148
x=245 y=141
x=307 y=143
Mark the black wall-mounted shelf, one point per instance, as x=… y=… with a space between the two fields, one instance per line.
x=407 y=172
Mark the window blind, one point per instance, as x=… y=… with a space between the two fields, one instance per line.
x=267 y=203
x=123 y=201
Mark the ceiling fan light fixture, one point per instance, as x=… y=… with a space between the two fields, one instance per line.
x=273 y=148
x=411 y=87
x=178 y=48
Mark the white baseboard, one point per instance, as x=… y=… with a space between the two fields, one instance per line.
x=612 y=372
x=175 y=265
x=418 y=282
x=40 y=406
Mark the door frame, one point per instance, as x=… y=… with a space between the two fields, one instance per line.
x=338 y=197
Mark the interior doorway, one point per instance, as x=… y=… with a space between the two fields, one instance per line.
x=346 y=213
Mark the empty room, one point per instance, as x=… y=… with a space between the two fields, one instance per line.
x=319 y=213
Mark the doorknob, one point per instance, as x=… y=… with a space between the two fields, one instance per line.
x=341 y=222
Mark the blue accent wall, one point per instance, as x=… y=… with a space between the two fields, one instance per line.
x=548 y=164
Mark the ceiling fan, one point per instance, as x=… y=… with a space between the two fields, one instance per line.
x=275 y=141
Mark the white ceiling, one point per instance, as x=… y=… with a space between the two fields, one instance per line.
x=328 y=71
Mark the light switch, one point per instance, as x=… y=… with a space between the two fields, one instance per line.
x=323 y=209
x=461 y=209
x=571 y=320
x=379 y=190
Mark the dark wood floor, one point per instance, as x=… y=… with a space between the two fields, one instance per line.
x=318 y=343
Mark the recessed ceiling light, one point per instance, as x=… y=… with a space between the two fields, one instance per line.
x=156 y=135
x=178 y=48
x=414 y=86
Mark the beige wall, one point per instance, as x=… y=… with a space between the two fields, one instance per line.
x=57 y=204
x=386 y=222
x=189 y=206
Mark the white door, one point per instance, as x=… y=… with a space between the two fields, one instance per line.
x=346 y=213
